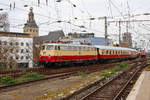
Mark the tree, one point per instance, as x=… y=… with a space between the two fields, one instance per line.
x=36 y=49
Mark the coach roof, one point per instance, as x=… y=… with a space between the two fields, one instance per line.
x=113 y=48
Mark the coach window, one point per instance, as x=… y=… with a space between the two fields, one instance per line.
x=113 y=52
x=58 y=47
x=110 y=52
x=104 y=51
x=107 y=51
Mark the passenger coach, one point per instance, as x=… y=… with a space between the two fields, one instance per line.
x=53 y=53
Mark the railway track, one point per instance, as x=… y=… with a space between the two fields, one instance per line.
x=64 y=72
x=48 y=71
x=60 y=73
x=114 y=88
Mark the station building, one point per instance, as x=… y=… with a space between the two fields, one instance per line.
x=84 y=38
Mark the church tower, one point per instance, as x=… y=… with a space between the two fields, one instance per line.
x=31 y=26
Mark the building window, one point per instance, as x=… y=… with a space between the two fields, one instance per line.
x=11 y=50
x=0 y=42
x=17 y=50
x=30 y=30
x=17 y=57
x=22 y=43
x=11 y=43
x=5 y=42
x=27 y=51
x=27 y=44
x=21 y=57
x=21 y=50
x=27 y=57
x=11 y=57
x=17 y=43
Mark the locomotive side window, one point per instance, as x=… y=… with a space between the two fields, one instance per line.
x=58 y=47
x=50 y=47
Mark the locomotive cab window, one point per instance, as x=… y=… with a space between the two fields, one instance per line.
x=43 y=48
x=50 y=47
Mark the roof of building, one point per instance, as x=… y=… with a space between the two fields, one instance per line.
x=52 y=36
x=2 y=32
x=33 y=24
x=14 y=34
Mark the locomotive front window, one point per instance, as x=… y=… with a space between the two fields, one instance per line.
x=43 y=48
x=50 y=47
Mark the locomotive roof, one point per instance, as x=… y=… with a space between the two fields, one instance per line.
x=97 y=46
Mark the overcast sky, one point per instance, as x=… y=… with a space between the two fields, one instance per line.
x=78 y=12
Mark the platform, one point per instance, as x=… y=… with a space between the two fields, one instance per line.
x=141 y=90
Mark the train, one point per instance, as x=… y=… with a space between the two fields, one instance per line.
x=143 y=54
x=55 y=53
